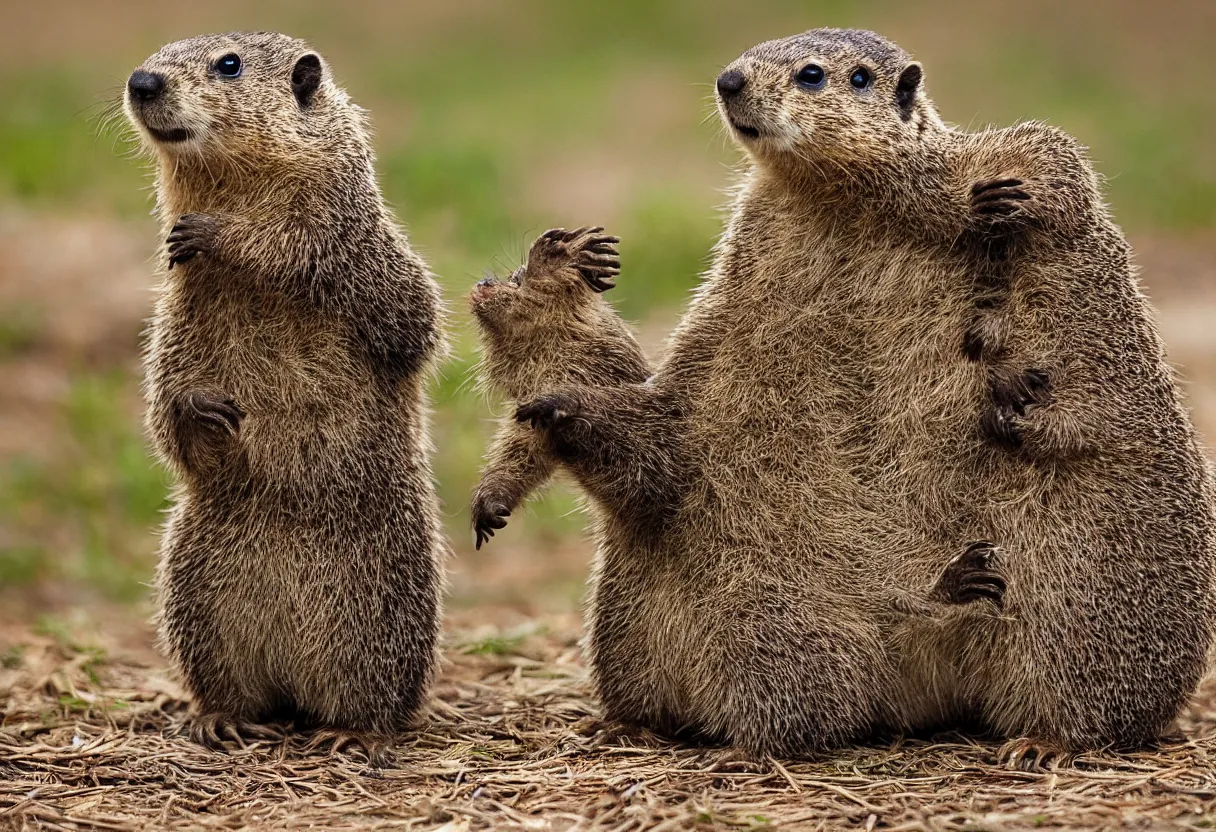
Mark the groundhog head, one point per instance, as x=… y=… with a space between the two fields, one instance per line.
x=247 y=98
x=554 y=289
x=828 y=99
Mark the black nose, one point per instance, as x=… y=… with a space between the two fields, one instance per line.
x=730 y=83
x=145 y=86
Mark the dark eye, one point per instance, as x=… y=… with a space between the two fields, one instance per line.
x=811 y=76
x=861 y=78
x=229 y=66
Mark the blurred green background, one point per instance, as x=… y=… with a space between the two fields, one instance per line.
x=495 y=121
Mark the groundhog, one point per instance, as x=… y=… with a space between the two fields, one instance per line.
x=928 y=464
x=302 y=563
x=547 y=324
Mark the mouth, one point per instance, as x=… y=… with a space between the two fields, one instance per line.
x=170 y=136
x=143 y=114
x=490 y=286
x=483 y=291
x=745 y=130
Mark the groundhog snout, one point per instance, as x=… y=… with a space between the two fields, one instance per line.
x=731 y=83
x=144 y=86
x=485 y=289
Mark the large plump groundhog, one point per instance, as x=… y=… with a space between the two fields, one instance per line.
x=546 y=324
x=302 y=563
x=925 y=462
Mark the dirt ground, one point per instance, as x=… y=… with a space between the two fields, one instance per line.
x=93 y=738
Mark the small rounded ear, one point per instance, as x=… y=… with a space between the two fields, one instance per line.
x=906 y=88
x=305 y=78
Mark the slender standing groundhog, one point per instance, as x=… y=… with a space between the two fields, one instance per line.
x=302 y=563
x=546 y=325
x=927 y=461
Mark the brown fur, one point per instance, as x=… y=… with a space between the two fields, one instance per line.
x=547 y=324
x=931 y=465
x=302 y=563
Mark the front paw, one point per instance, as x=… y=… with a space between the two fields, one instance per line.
x=998 y=201
x=192 y=235
x=588 y=250
x=974 y=575
x=215 y=412
x=547 y=412
x=490 y=514
x=1012 y=397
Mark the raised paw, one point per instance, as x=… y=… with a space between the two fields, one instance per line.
x=999 y=200
x=975 y=575
x=1012 y=397
x=597 y=259
x=591 y=252
x=378 y=750
x=547 y=412
x=215 y=730
x=1025 y=754
x=489 y=515
x=193 y=234
x=215 y=411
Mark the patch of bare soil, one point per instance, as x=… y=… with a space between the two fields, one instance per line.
x=96 y=739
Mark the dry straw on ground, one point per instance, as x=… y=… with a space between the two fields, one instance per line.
x=512 y=741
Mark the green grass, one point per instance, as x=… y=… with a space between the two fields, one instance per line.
x=12 y=657
x=494 y=646
x=87 y=515
x=499 y=644
x=19 y=329
x=53 y=150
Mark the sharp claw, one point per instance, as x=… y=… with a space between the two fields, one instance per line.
x=1000 y=193
x=605 y=267
x=981 y=186
x=987 y=582
x=229 y=731
x=216 y=420
x=975 y=593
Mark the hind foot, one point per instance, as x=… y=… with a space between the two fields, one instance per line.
x=377 y=749
x=1026 y=754
x=972 y=576
x=215 y=729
